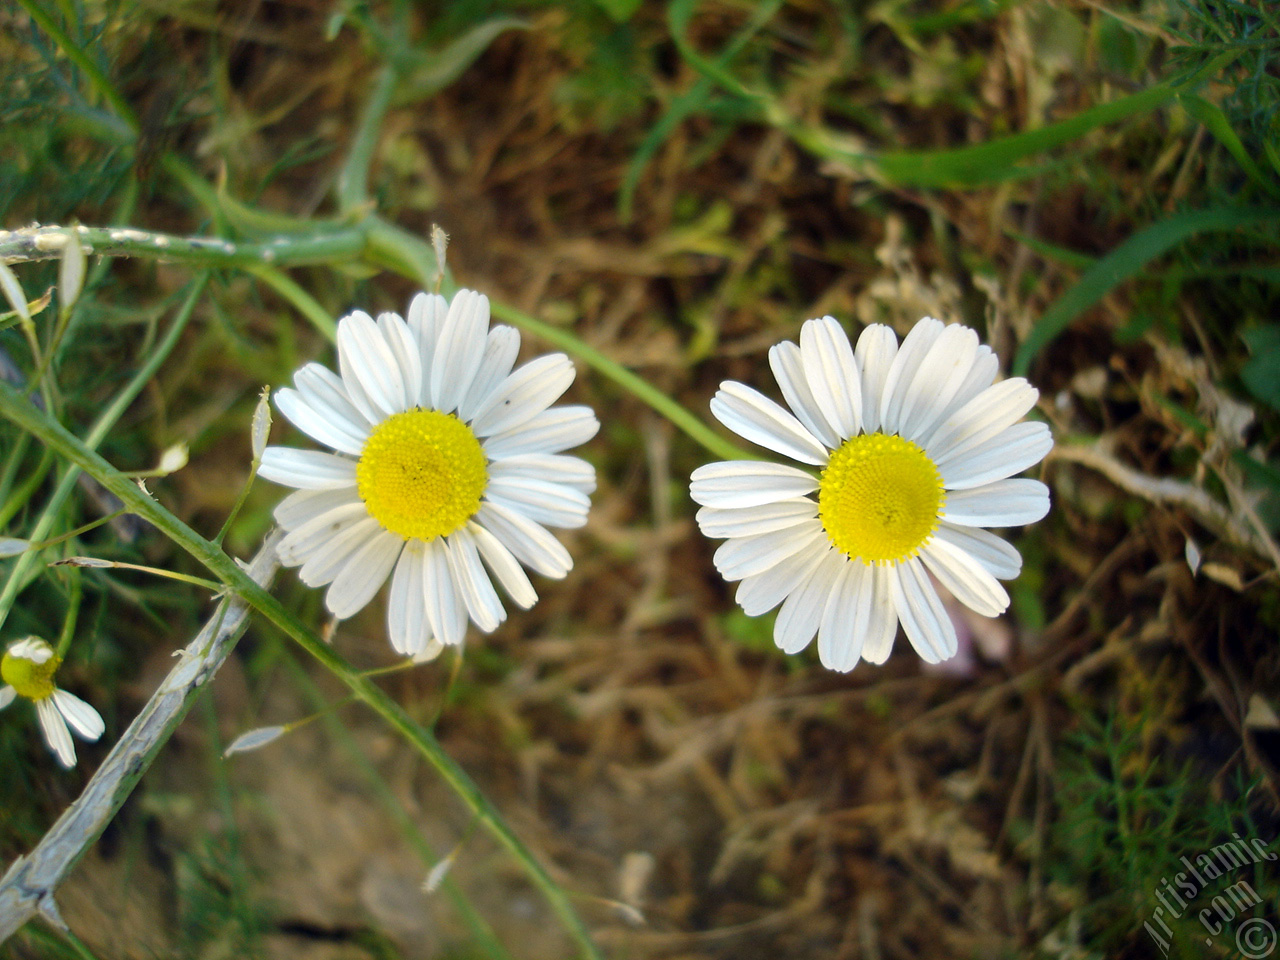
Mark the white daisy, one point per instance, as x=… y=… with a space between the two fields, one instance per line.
x=28 y=668
x=446 y=462
x=914 y=446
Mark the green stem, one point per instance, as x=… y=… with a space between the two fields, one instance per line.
x=302 y=301
x=25 y=564
x=332 y=245
x=481 y=933
x=15 y=408
x=22 y=495
x=353 y=178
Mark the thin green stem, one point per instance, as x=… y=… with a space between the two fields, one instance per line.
x=15 y=408
x=481 y=932
x=23 y=493
x=302 y=301
x=665 y=405
x=353 y=178
x=328 y=244
x=75 y=589
x=25 y=565
x=95 y=564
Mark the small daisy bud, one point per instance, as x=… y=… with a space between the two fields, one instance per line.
x=440 y=244
x=13 y=292
x=253 y=739
x=13 y=546
x=436 y=875
x=173 y=459
x=28 y=666
x=71 y=272
x=261 y=424
x=27 y=669
x=1193 y=556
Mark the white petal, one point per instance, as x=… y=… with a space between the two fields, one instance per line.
x=303 y=506
x=942 y=373
x=330 y=555
x=500 y=350
x=968 y=581
x=328 y=425
x=369 y=368
x=875 y=353
x=755 y=417
x=404 y=347
x=524 y=394
x=82 y=718
x=801 y=613
x=426 y=316
x=305 y=540
x=1004 y=503
x=981 y=375
x=445 y=609
x=326 y=394
x=407 y=624
x=832 y=375
x=748 y=483
x=503 y=565
x=550 y=467
x=307 y=469
x=839 y=637
x=761 y=593
x=1021 y=446
x=788 y=370
x=363 y=575
x=531 y=544
x=900 y=379
x=748 y=521
x=33 y=649
x=55 y=732
x=924 y=619
x=998 y=557
x=7 y=695
x=551 y=431
x=747 y=556
x=995 y=409
x=551 y=504
x=472 y=582
x=459 y=350
x=876 y=597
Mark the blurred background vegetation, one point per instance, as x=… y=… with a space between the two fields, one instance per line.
x=1093 y=184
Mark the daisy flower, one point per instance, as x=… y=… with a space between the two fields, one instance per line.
x=914 y=446
x=446 y=472
x=28 y=668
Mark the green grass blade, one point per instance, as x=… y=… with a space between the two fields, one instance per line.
x=1127 y=261
x=1216 y=122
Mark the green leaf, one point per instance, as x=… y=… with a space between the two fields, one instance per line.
x=1216 y=122
x=1261 y=372
x=431 y=71
x=1127 y=261
x=698 y=96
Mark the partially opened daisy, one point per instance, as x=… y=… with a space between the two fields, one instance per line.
x=28 y=669
x=448 y=469
x=913 y=446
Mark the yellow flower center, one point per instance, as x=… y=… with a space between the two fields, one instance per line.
x=421 y=474
x=30 y=679
x=879 y=498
